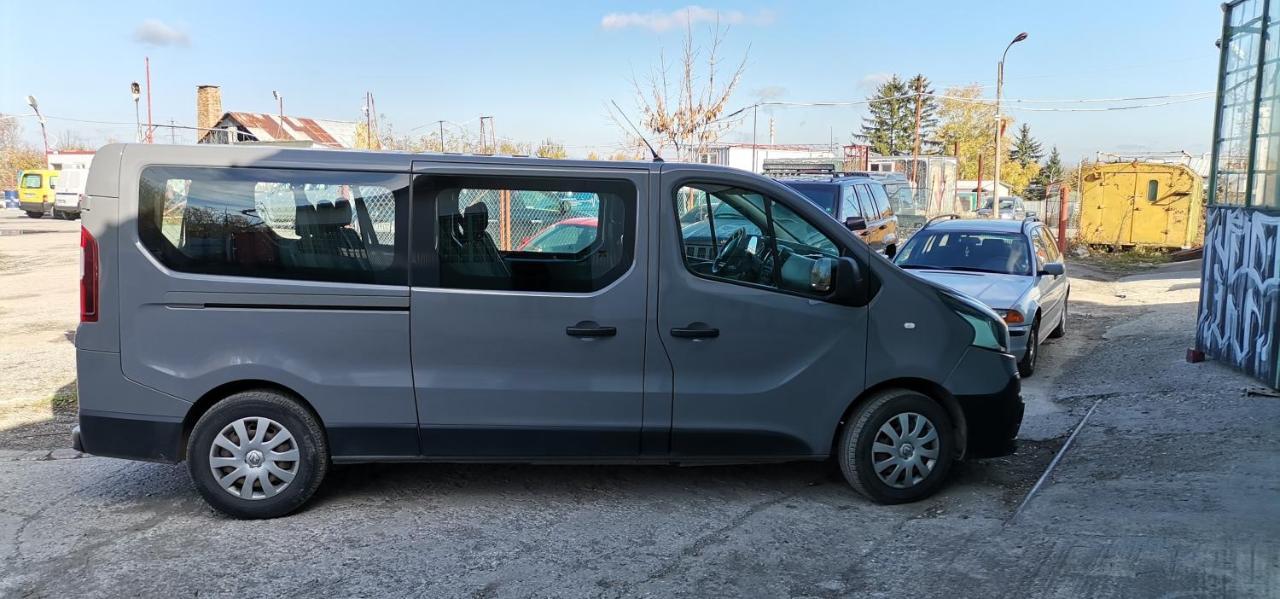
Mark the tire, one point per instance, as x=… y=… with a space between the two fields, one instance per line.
x=1061 y=330
x=56 y=215
x=31 y=214
x=248 y=411
x=864 y=435
x=1027 y=365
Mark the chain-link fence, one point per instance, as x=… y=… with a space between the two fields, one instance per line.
x=516 y=216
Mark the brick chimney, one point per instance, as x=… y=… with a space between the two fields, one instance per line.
x=208 y=107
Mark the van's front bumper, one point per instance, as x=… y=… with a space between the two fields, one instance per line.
x=986 y=385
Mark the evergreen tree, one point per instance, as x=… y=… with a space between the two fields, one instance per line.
x=1026 y=149
x=1050 y=172
x=889 y=128
x=920 y=87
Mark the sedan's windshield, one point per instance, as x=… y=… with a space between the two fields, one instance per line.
x=967 y=251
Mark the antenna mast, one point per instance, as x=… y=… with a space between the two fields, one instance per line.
x=656 y=157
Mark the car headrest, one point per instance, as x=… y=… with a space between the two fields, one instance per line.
x=477 y=218
x=324 y=215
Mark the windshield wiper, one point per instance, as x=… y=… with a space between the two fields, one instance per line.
x=971 y=269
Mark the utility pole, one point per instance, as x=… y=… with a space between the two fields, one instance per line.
x=441 y=123
x=173 y=133
x=995 y=185
x=755 y=121
x=979 y=190
x=150 y=129
x=915 y=152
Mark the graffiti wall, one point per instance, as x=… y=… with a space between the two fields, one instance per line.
x=1240 y=296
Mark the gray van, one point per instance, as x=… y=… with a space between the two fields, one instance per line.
x=263 y=313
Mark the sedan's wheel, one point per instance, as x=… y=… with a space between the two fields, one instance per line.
x=898 y=446
x=257 y=454
x=1027 y=365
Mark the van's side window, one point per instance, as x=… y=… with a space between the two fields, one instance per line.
x=532 y=234
x=881 y=199
x=739 y=235
x=313 y=225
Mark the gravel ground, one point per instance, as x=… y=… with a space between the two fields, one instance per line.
x=39 y=308
x=1169 y=488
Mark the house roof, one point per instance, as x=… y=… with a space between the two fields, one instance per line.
x=268 y=127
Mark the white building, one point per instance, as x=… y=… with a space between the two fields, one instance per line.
x=751 y=158
x=971 y=186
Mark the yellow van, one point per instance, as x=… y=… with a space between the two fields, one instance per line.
x=36 y=191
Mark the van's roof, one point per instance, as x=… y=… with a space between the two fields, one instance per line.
x=374 y=158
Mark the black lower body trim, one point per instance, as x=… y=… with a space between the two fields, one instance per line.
x=361 y=441
x=479 y=442
x=130 y=436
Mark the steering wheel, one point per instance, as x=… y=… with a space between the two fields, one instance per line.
x=733 y=248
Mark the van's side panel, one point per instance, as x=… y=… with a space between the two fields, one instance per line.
x=343 y=348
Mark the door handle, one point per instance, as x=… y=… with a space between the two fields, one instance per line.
x=588 y=328
x=695 y=330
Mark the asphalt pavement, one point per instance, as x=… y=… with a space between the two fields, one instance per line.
x=1169 y=488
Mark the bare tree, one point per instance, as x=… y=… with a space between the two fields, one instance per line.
x=15 y=154
x=71 y=140
x=687 y=115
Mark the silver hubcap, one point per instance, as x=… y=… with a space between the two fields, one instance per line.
x=254 y=458
x=905 y=450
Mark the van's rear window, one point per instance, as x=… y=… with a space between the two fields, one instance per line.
x=315 y=225
x=31 y=181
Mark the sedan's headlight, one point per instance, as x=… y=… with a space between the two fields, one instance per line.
x=1011 y=316
x=989 y=332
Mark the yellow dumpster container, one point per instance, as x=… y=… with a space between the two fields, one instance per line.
x=1142 y=204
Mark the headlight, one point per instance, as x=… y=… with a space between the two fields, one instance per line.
x=989 y=331
x=1011 y=316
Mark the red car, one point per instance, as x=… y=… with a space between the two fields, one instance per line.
x=568 y=236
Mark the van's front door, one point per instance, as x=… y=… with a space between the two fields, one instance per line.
x=528 y=334
x=761 y=366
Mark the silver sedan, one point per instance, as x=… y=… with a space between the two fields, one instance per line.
x=1014 y=267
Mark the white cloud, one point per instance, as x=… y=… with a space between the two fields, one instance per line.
x=158 y=33
x=690 y=15
x=870 y=82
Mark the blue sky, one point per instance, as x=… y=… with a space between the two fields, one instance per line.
x=547 y=69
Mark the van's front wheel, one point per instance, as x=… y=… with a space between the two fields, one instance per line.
x=897 y=447
x=257 y=454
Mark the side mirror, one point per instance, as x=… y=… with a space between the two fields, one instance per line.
x=855 y=223
x=890 y=251
x=1032 y=215
x=850 y=286
x=822 y=275
x=1053 y=268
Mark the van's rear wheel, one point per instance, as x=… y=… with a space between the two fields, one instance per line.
x=897 y=447
x=31 y=214
x=257 y=454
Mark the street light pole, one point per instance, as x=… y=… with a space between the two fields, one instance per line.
x=280 y=108
x=136 y=91
x=995 y=180
x=35 y=106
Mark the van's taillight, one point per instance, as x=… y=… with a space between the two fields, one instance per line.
x=88 y=277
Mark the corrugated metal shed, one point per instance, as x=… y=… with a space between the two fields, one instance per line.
x=264 y=127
